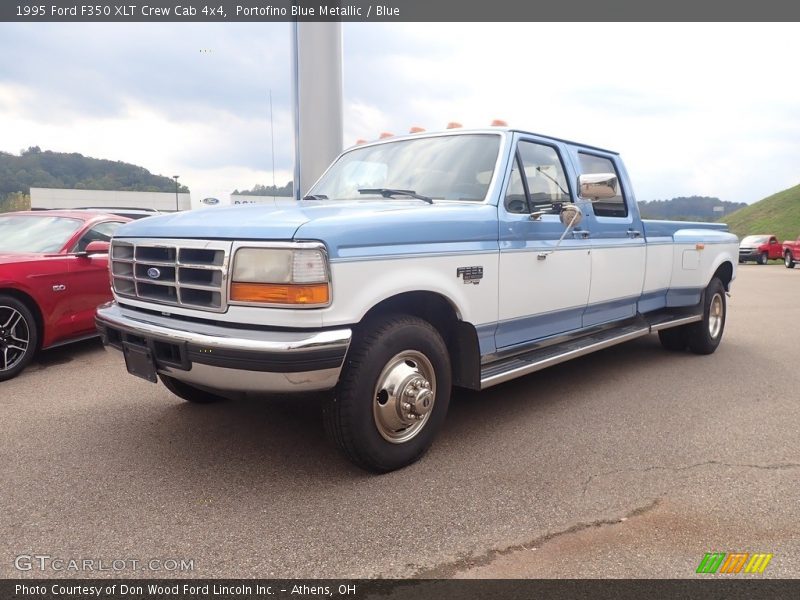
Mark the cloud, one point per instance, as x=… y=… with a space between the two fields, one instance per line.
x=694 y=108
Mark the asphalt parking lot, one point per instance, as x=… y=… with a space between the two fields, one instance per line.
x=633 y=462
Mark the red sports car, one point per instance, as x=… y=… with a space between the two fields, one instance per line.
x=53 y=275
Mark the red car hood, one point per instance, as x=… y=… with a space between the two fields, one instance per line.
x=8 y=258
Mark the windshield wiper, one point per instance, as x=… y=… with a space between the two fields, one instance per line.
x=315 y=197
x=389 y=192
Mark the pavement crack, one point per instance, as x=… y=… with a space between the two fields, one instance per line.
x=768 y=467
x=448 y=570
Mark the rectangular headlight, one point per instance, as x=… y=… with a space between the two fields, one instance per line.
x=296 y=277
x=263 y=265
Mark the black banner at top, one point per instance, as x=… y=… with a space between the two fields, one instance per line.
x=154 y=11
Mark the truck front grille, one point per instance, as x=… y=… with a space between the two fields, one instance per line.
x=188 y=273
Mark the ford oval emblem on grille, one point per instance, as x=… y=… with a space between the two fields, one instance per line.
x=153 y=273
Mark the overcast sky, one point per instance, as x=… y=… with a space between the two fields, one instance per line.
x=695 y=109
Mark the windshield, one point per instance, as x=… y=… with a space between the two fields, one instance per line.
x=755 y=239
x=32 y=233
x=455 y=167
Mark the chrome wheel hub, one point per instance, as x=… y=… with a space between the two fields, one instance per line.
x=715 y=316
x=404 y=396
x=14 y=337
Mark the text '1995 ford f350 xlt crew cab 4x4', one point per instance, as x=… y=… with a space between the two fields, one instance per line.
x=415 y=264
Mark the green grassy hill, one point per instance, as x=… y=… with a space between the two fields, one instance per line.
x=778 y=214
x=36 y=168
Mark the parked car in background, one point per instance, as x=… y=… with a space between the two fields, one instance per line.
x=760 y=248
x=791 y=253
x=53 y=275
x=123 y=211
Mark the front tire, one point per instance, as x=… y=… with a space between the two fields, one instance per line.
x=188 y=392
x=763 y=258
x=19 y=336
x=788 y=260
x=393 y=393
x=705 y=335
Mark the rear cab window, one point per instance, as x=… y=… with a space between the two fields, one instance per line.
x=609 y=207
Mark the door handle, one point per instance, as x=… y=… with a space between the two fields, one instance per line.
x=633 y=233
x=580 y=234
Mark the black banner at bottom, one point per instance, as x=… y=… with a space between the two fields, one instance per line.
x=395 y=589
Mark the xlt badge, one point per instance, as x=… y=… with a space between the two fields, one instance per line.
x=471 y=275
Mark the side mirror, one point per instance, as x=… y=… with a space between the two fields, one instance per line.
x=597 y=186
x=570 y=216
x=96 y=247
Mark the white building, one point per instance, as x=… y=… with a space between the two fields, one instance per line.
x=269 y=200
x=42 y=198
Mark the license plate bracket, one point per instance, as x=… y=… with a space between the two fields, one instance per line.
x=140 y=362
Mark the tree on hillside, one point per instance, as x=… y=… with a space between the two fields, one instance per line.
x=35 y=167
x=267 y=190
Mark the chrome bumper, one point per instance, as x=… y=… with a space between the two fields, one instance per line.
x=229 y=358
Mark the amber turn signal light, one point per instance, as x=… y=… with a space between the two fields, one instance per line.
x=274 y=293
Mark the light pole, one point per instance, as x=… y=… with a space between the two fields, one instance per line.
x=175 y=177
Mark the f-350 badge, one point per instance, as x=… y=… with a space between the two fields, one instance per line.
x=471 y=275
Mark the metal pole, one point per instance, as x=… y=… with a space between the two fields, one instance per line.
x=272 y=139
x=317 y=87
x=175 y=177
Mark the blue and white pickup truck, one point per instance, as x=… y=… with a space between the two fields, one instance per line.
x=415 y=264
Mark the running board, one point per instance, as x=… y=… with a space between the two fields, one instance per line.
x=535 y=360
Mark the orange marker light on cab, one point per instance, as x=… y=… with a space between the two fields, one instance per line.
x=454 y=125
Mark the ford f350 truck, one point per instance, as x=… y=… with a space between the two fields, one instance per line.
x=415 y=264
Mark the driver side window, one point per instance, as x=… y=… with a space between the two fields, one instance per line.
x=538 y=182
x=99 y=233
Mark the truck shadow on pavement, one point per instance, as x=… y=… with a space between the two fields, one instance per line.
x=262 y=441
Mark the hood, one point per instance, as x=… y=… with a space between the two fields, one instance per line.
x=239 y=222
x=9 y=258
x=337 y=223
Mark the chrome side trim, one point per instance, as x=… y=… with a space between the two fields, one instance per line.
x=676 y=322
x=538 y=365
x=559 y=338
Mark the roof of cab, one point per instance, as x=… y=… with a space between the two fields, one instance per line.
x=460 y=130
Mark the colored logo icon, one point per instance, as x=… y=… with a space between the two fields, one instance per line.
x=734 y=562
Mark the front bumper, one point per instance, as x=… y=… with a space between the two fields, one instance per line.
x=749 y=254
x=229 y=358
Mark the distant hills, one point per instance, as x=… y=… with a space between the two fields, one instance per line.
x=688 y=208
x=778 y=214
x=267 y=190
x=37 y=168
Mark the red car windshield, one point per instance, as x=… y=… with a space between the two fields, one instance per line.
x=34 y=233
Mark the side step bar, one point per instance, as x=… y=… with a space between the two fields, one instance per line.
x=535 y=360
